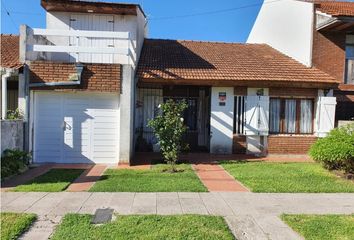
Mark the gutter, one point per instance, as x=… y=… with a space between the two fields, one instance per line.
x=79 y=68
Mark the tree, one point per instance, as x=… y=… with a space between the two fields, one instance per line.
x=169 y=129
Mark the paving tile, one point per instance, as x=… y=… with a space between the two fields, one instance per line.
x=245 y=228
x=9 y=197
x=71 y=203
x=167 y=195
x=95 y=201
x=122 y=203
x=188 y=195
x=144 y=203
x=47 y=203
x=216 y=205
x=24 y=202
x=168 y=206
x=193 y=206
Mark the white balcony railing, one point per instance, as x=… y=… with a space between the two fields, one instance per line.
x=79 y=46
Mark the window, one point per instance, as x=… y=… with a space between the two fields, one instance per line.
x=349 y=60
x=291 y=116
x=239 y=114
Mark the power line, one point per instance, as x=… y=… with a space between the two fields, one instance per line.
x=8 y=14
x=212 y=12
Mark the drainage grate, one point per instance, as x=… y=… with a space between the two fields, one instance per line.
x=102 y=215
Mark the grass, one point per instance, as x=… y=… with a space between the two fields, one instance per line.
x=152 y=180
x=55 y=180
x=322 y=227
x=14 y=224
x=77 y=226
x=287 y=177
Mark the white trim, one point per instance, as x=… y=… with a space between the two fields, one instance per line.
x=79 y=33
x=76 y=49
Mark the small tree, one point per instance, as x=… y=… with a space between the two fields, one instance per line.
x=169 y=128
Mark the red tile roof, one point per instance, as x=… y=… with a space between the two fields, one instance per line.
x=212 y=61
x=9 y=51
x=336 y=8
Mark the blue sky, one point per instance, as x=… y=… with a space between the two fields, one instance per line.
x=206 y=20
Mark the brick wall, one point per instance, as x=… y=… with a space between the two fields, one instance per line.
x=95 y=77
x=329 y=53
x=293 y=92
x=278 y=144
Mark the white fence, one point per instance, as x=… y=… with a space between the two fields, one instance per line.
x=78 y=46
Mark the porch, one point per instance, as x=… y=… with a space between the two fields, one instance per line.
x=196 y=116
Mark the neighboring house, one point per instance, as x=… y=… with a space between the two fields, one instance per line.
x=12 y=79
x=81 y=79
x=95 y=81
x=319 y=34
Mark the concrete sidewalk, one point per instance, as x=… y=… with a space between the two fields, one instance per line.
x=249 y=215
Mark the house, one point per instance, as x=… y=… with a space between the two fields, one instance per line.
x=95 y=80
x=323 y=37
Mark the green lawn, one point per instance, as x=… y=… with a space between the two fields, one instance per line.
x=14 y=224
x=322 y=227
x=287 y=177
x=55 y=180
x=77 y=226
x=153 y=180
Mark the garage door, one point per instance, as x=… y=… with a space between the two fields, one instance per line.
x=76 y=128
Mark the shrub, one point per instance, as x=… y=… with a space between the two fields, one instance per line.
x=169 y=129
x=336 y=151
x=14 y=114
x=13 y=161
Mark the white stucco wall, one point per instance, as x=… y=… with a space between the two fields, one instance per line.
x=287 y=26
x=221 y=121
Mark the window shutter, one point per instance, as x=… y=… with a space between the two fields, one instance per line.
x=326 y=108
x=264 y=115
x=252 y=115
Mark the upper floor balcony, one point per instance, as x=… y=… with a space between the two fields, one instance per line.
x=77 y=46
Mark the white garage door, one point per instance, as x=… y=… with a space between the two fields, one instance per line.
x=76 y=128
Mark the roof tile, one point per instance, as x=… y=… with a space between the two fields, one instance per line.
x=193 y=60
x=9 y=51
x=336 y=8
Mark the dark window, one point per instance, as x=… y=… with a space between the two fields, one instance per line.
x=292 y=116
x=239 y=115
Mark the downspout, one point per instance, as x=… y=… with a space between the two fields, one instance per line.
x=77 y=81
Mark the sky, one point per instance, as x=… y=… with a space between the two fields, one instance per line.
x=204 y=20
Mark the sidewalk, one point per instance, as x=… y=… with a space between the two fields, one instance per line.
x=246 y=213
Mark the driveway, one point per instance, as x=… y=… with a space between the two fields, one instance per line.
x=249 y=215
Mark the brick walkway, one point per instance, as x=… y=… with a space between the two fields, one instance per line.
x=87 y=179
x=215 y=178
x=25 y=177
x=42 y=169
